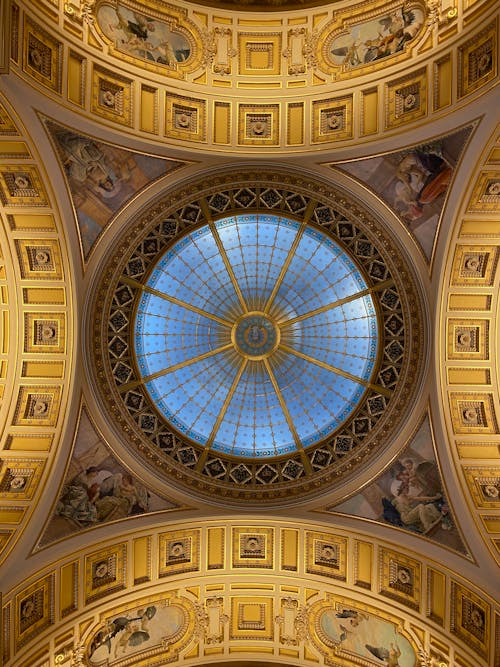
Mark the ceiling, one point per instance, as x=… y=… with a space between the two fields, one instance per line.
x=249 y=342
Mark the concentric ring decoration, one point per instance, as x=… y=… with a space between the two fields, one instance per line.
x=257 y=335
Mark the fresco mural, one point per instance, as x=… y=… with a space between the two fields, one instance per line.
x=136 y=631
x=414 y=182
x=102 y=178
x=97 y=489
x=410 y=495
x=141 y=36
x=380 y=37
x=357 y=634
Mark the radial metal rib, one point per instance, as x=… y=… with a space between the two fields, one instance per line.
x=220 y=417
x=288 y=417
x=338 y=371
x=339 y=302
x=172 y=299
x=227 y=264
x=175 y=367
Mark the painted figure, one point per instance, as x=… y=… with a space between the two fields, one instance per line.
x=143 y=37
x=423 y=174
x=95 y=496
x=135 y=632
x=376 y=38
x=390 y=656
x=417 y=510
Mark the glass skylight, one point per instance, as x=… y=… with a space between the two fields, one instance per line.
x=256 y=335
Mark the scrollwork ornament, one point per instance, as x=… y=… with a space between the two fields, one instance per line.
x=81 y=13
x=311 y=49
x=222 y=67
x=433 y=13
x=77 y=655
x=201 y=620
x=209 y=42
x=296 y=68
x=301 y=624
x=427 y=660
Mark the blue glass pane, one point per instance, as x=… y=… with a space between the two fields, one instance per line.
x=242 y=363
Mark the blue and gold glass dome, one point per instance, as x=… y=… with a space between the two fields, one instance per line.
x=256 y=335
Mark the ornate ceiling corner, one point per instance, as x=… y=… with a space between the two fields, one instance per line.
x=411 y=495
x=102 y=178
x=97 y=489
x=415 y=182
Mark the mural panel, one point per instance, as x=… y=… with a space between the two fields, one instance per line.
x=410 y=495
x=152 y=627
x=376 y=38
x=144 y=37
x=97 y=489
x=102 y=178
x=352 y=632
x=415 y=181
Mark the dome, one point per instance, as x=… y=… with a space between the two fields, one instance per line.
x=255 y=335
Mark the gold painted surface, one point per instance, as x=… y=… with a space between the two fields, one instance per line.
x=21 y=185
x=149 y=110
x=185 y=118
x=486 y=195
x=473 y=412
x=222 y=123
x=68 y=599
x=252 y=618
x=289 y=550
x=332 y=120
x=468 y=339
x=436 y=587
x=253 y=610
x=467 y=302
x=253 y=547
x=37 y=405
x=111 y=96
x=470 y=619
x=14 y=149
x=369 y=110
x=215 y=557
x=363 y=564
x=259 y=54
x=484 y=485
x=42 y=55
x=443 y=74
x=326 y=555
x=295 y=124
x=34 y=610
x=76 y=78
x=258 y=124
x=25 y=442
x=32 y=222
x=472 y=376
x=142 y=560
x=44 y=295
x=478 y=60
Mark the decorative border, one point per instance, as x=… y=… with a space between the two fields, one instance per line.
x=401 y=332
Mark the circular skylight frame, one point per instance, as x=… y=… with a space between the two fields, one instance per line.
x=314 y=327
x=369 y=432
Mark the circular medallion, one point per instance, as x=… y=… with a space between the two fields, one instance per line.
x=255 y=336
